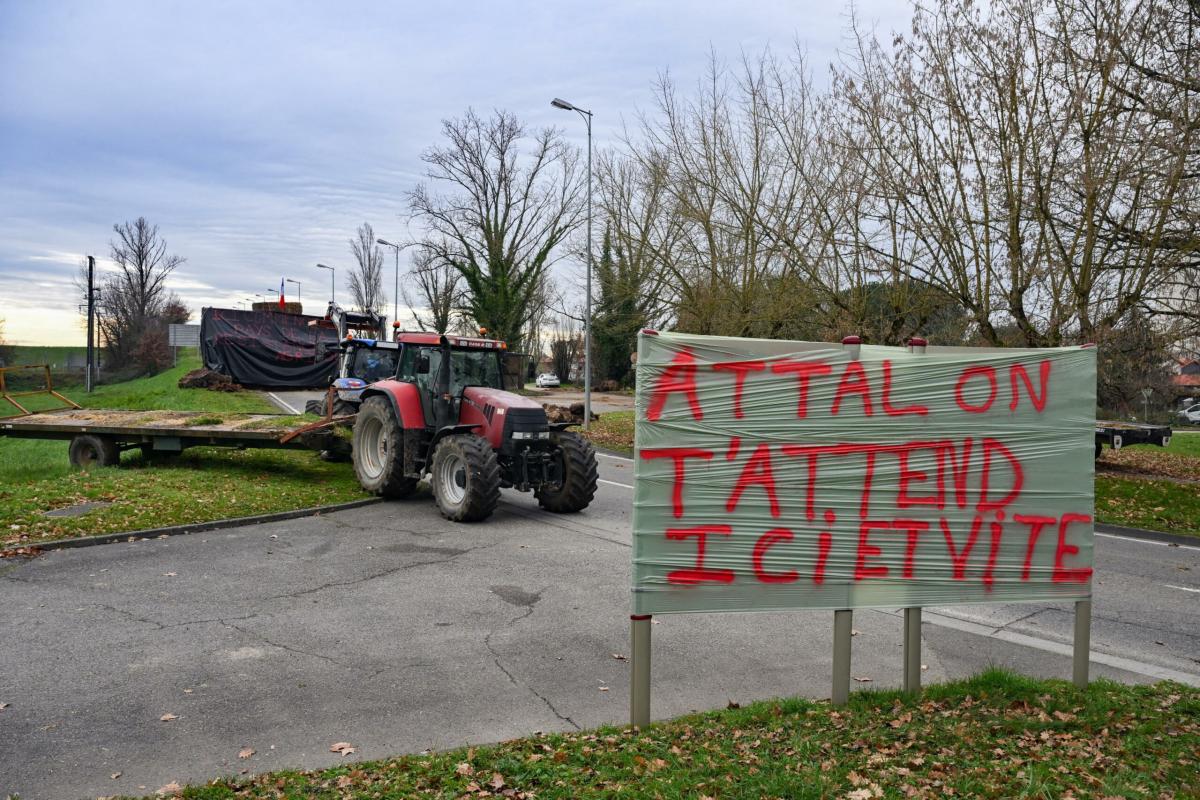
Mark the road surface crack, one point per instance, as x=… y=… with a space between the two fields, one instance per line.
x=487 y=642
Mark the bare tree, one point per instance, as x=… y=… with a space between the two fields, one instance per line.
x=5 y=349
x=438 y=291
x=497 y=210
x=132 y=298
x=366 y=277
x=566 y=343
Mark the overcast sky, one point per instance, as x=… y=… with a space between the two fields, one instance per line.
x=259 y=135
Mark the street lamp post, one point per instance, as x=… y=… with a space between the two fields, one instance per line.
x=587 y=318
x=298 y=300
x=396 y=290
x=332 y=286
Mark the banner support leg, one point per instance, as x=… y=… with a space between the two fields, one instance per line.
x=639 y=670
x=1083 y=642
x=912 y=649
x=843 y=629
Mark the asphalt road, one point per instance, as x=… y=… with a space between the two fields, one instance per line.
x=396 y=631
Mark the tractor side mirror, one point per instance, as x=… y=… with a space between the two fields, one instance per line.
x=423 y=364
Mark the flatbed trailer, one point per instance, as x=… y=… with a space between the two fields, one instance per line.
x=1122 y=434
x=97 y=436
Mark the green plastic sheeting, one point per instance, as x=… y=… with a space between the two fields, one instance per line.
x=777 y=475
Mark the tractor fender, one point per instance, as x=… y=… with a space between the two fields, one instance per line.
x=449 y=430
x=405 y=400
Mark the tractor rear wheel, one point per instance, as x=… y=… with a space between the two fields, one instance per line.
x=378 y=451
x=579 y=477
x=466 y=478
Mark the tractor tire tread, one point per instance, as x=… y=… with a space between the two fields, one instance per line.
x=579 y=479
x=393 y=484
x=483 y=485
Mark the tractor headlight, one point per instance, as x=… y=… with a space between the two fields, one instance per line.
x=531 y=435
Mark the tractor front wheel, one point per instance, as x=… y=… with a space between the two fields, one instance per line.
x=465 y=477
x=378 y=451
x=579 y=477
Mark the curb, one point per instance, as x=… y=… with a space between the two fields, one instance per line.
x=1148 y=535
x=200 y=527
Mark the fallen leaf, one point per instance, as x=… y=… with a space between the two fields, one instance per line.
x=344 y=782
x=1063 y=716
x=246 y=752
x=169 y=574
x=167 y=717
x=853 y=632
x=464 y=769
x=115 y=775
x=341 y=748
x=859 y=794
x=604 y=688
x=855 y=779
x=862 y=679
x=171 y=788
x=497 y=781
x=188 y=691
x=619 y=656
x=3 y=706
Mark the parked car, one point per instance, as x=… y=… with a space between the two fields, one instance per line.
x=1190 y=415
x=546 y=380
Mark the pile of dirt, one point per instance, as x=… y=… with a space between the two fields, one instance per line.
x=571 y=413
x=205 y=378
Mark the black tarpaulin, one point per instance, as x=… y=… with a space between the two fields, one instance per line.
x=267 y=348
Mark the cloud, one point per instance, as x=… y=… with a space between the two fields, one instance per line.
x=258 y=136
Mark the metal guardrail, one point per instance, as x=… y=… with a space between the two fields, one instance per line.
x=8 y=396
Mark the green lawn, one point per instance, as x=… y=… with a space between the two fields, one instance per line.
x=199 y=485
x=997 y=735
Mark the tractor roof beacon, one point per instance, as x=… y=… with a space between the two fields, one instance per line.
x=446 y=413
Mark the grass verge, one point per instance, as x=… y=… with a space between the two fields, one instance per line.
x=199 y=485
x=996 y=735
x=613 y=431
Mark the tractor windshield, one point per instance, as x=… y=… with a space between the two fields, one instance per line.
x=371 y=364
x=467 y=368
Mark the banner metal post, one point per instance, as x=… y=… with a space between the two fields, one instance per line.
x=912 y=614
x=639 y=669
x=1083 y=642
x=843 y=630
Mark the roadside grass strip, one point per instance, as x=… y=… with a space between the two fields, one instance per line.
x=613 y=431
x=996 y=735
x=199 y=485
x=1148 y=504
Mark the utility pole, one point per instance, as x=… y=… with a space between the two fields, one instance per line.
x=91 y=312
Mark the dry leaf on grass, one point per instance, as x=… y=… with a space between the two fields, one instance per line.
x=345 y=782
x=342 y=748
x=464 y=769
x=246 y=752
x=497 y=781
x=171 y=788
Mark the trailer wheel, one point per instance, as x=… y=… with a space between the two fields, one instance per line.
x=315 y=407
x=466 y=478
x=579 y=477
x=378 y=451
x=1099 y=450
x=88 y=450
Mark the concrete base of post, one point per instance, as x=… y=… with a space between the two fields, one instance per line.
x=639 y=670
x=1083 y=643
x=843 y=630
x=912 y=649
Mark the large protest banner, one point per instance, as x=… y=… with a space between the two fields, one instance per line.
x=780 y=475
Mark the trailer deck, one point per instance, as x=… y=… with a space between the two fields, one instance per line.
x=98 y=435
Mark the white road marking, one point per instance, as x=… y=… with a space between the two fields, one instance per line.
x=615 y=458
x=614 y=483
x=1146 y=541
x=1127 y=664
x=1181 y=588
x=279 y=400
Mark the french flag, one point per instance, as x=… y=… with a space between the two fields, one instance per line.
x=281 y=292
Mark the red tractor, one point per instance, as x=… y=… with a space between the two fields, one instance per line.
x=446 y=413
